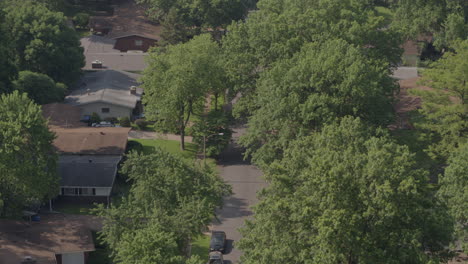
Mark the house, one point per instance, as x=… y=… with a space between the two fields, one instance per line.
x=89 y=159
x=109 y=93
x=132 y=42
x=55 y=240
x=62 y=115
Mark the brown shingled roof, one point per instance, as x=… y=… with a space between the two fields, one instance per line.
x=91 y=140
x=41 y=241
x=62 y=115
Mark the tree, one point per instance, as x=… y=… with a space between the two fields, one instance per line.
x=322 y=82
x=170 y=201
x=444 y=112
x=8 y=71
x=177 y=80
x=279 y=29
x=453 y=190
x=345 y=195
x=40 y=87
x=43 y=42
x=446 y=19
x=214 y=129
x=27 y=158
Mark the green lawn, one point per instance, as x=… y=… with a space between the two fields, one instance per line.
x=170 y=146
x=74 y=208
x=102 y=253
x=200 y=247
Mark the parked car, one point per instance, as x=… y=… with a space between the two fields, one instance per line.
x=103 y=124
x=215 y=257
x=218 y=241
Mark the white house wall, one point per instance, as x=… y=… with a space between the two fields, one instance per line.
x=73 y=258
x=114 y=110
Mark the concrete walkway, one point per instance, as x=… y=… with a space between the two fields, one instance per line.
x=138 y=134
x=404 y=73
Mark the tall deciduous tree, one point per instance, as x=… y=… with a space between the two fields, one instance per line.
x=345 y=195
x=177 y=80
x=279 y=29
x=40 y=87
x=27 y=158
x=320 y=83
x=454 y=190
x=43 y=42
x=8 y=70
x=170 y=201
x=446 y=19
x=444 y=110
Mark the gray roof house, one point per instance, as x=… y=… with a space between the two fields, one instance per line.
x=109 y=93
x=89 y=158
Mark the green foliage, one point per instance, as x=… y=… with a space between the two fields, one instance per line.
x=125 y=121
x=319 y=84
x=444 y=110
x=81 y=20
x=43 y=42
x=209 y=129
x=8 y=70
x=446 y=19
x=141 y=123
x=345 y=195
x=177 y=80
x=95 y=118
x=40 y=87
x=453 y=189
x=279 y=29
x=27 y=157
x=170 y=201
x=134 y=146
x=198 y=13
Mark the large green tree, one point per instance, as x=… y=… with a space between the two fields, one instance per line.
x=171 y=200
x=444 y=112
x=279 y=29
x=447 y=20
x=345 y=195
x=40 y=87
x=28 y=171
x=454 y=190
x=43 y=42
x=177 y=80
x=7 y=68
x=320 y=83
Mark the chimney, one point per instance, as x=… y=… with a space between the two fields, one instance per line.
x=133 y=89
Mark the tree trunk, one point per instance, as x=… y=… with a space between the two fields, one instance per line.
x=182 y=138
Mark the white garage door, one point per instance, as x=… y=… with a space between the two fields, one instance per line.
x=73 y=258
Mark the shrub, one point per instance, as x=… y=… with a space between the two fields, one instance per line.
x=141 y=123
x=125 y=121
x=134 y=145
x=113 y=120
x=95 y=118
x=81 y=20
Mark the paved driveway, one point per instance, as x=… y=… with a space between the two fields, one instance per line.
x=245 y=180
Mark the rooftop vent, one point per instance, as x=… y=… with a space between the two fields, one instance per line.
x=133 y=89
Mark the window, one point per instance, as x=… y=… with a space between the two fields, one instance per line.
x=138 y=42
x=105 y=110
x=68 y=191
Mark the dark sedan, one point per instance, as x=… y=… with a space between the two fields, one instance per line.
x=218 y=241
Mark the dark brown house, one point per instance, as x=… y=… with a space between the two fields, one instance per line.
x=134 y=42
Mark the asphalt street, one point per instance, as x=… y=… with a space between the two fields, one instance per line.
x=245 y=180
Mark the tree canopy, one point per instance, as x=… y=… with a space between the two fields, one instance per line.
x=279 y=29
x=28 y=172
x=444 y=112
x=453 y=189
x=318 y=84
x=177 y=80
x=7 y=68
x=446 y=19
x=170 y=201
x=40 y=87
x=345 y=195
x=43 y=42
